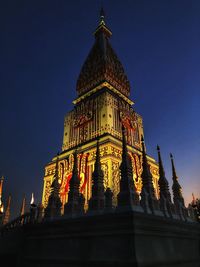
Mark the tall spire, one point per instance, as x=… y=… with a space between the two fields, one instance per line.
x=72 y=207
x=163 y=183
x=147 y=179
x=97 y=201
x=127 y=196
x=102 y=65
x=176 y=188
x=165 y=197
x=102 y=28
x=22 y=211
x=7 y=211
x=148 y=199
x=54 y=205
x=102 y=17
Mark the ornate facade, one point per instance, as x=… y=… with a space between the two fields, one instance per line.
x=101 y=108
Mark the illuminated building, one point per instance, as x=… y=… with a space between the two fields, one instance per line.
x=104 y=155
x=101 y=108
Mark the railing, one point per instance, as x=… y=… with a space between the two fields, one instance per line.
x=27 y=218
x=35 y=215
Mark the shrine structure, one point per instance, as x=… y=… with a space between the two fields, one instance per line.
x=103 y=105
x=105 y=201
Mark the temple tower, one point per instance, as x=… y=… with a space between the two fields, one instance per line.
x=101 y=108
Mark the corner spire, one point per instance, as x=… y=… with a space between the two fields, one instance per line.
x=22 y=211
x=163 y=183
x=54 y=205
x=7 y=211
x=97 y=201
x=165 y=196
x=176 y=188
x=127 y=196
x=72 y=207
x=161 y=168
x=173 y=167
x=56 y=185
x=148 y=199
x=147 y=179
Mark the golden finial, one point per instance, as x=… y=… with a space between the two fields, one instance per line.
x=102 y=16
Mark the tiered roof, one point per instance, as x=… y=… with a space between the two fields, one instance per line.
x=102 y=65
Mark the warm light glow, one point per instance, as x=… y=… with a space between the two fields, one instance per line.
x=32 y=199
x=82 y=179
x=1 y=209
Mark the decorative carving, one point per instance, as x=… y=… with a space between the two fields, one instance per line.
x=104 y=167
x=102 y=65
x=82 y=118
x=115 y=181
x=116 y=152
x=47 y=192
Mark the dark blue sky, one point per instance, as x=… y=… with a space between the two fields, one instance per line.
x=42 y=48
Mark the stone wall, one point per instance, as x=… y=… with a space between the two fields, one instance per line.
x=114 y=239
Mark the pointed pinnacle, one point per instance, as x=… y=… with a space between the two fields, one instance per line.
x=22 y=211
x=161 y=168
x=102 y=17
x=143 y=148
x=56 y=168
x=75 y=161
x=97 y=168
x=97 y=153
x=125 y=154
x=173 y=167
x=75 y=177
x=124 y=145
x=144 y=157
x=102 y=13
x=8 y=203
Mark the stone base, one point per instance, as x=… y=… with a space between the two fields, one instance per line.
x=116 y=239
